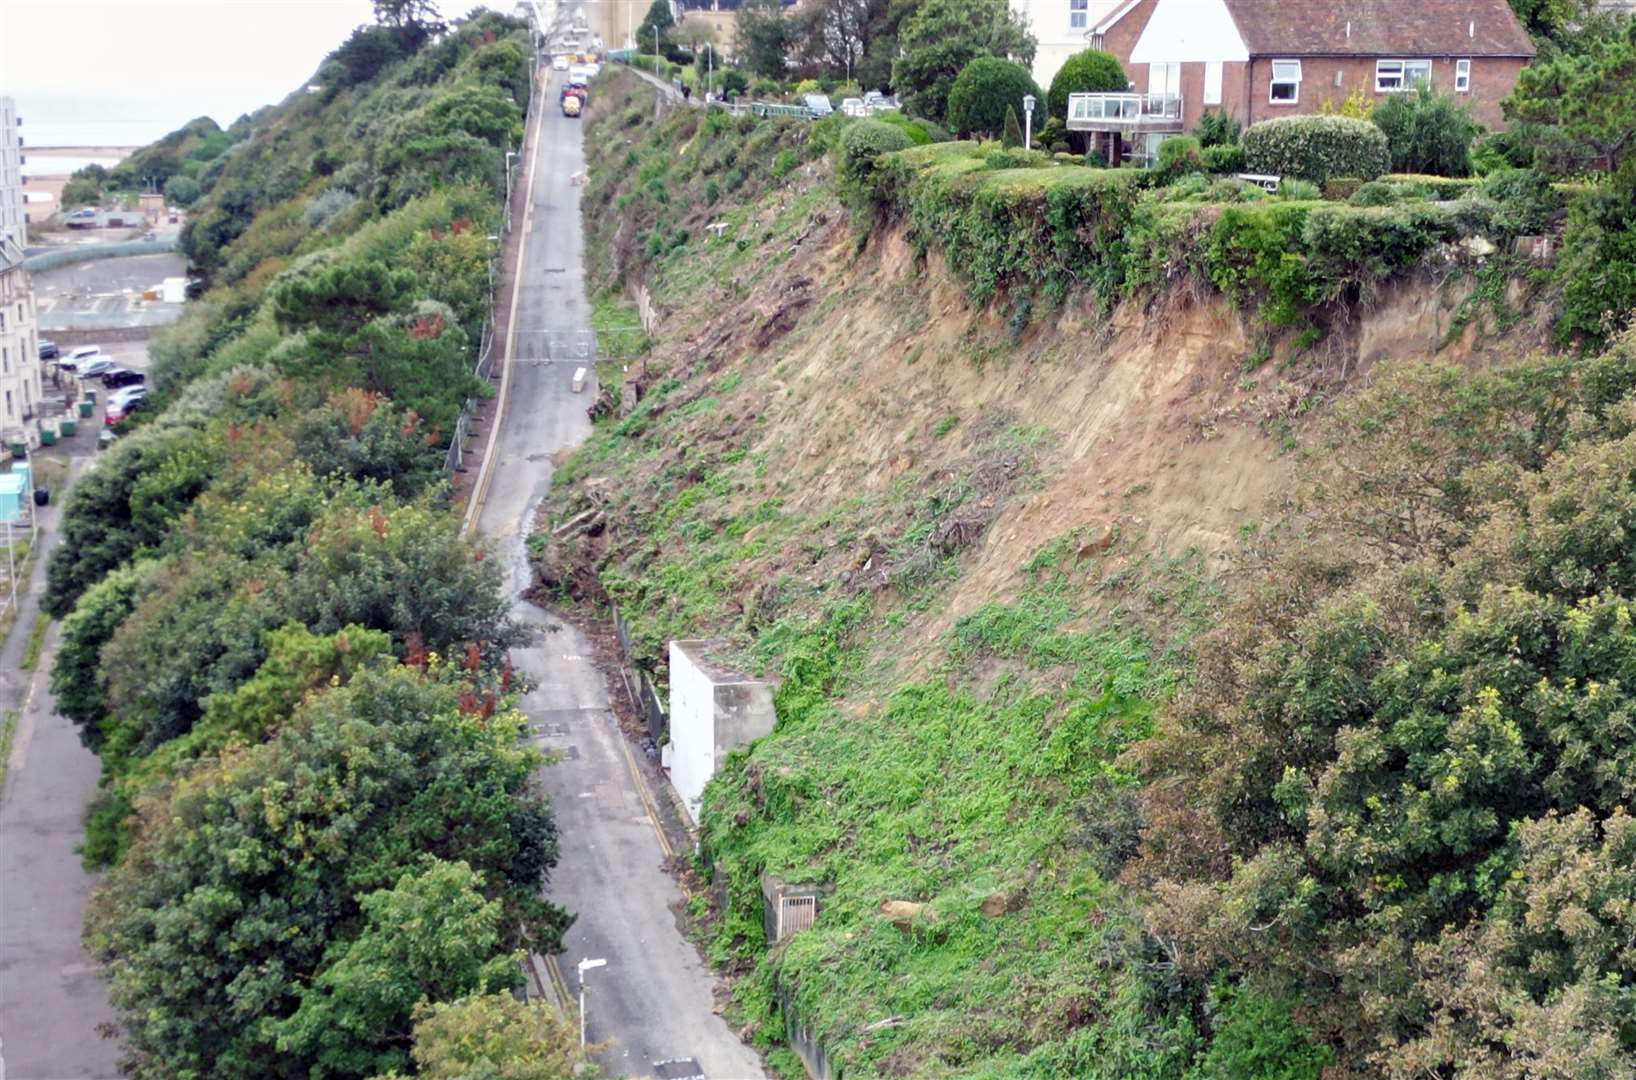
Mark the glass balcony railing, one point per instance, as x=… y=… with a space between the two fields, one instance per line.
x=1124 y=110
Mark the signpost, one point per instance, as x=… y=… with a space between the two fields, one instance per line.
x=584 y=966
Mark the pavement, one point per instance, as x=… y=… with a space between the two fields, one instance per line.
x=653 y=1002
x=106 y=293
x=52 y=1000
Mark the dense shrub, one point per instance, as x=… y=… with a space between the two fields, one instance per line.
x=1086 y=72
x=864 y=142
x=1428 y=131
x=1216 y=128
x=1597 y=267
x=1527 y=200
x=1316 y=148
x=1223 y=158
x=1376 y=193
x=1178 y=155
x=982 y=93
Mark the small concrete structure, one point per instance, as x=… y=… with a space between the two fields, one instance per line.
x=714 y=710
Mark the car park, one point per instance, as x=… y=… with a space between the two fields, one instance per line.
x=114 y=378
x=48 y=349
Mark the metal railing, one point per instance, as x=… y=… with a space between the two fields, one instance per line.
x=1124 y=109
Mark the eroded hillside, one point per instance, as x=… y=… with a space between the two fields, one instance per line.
x=973 y=530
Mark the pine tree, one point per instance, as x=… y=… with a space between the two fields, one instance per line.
x=1013 y=130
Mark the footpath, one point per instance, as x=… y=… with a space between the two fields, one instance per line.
x=53 y=1003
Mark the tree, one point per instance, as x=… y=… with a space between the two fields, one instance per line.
x=656 y=27
x=412 y=22
x=182 y=191
x=1581 y=109
x=763 y=36
x=431 y=937
x=833 y=36
x=1090 y=71
x=498 y=1037
x=986 y=90
x=293 y=874
x=942 y=36
x=1428 y=131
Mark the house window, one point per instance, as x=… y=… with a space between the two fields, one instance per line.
x=1079 y=13
x=1394 y=75
x=8 y=404
x=1462 y=76
x=1286 y=82
x=5 y=361
x=1212 y=82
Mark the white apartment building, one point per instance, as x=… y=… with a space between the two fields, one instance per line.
x=13 y=223
x=1062 y=28
x=19 y=333
x=19 y=347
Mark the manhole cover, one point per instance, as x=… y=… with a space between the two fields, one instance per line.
x=678 y=1069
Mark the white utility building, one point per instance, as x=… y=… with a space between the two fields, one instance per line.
x=13 y=217
x=714 y=710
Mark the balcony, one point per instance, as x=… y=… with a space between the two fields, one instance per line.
x=1126 y=113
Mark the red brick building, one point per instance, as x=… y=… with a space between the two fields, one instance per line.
x=1257 y=59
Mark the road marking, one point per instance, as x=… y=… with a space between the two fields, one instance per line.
x=642 y=794
x=485 y=472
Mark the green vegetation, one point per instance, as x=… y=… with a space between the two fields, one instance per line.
x=36 y=635
x=8 y=731
x=986 y=90
x=317 y=818
x=941 y=37
x=495 y=1035
x=1427 y=131
x=1317 y=148
x=1089 y=71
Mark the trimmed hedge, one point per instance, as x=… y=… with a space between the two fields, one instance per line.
x=1054 y=227
x=865 y=141
x=1317 y=148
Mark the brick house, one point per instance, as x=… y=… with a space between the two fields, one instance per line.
x=1257 y=59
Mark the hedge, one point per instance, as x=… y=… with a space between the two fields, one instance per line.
x=1317 y=148
x=1054 y=227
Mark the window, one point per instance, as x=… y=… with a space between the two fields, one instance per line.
x=8 y=404
x=1079 y=13
x=1286 y=82
x=1462 y=76
x=1394 y=75
x=1212 y=82
x=5 y=361
x=1164 y=79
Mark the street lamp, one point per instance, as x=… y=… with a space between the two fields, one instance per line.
x=1028 y=121
x=584 y=966
x=709 y=70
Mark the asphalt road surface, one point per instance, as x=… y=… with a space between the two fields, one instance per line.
x=51 y=997
x=653 y=1001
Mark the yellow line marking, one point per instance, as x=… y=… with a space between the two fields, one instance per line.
x=647 y=800
x=485 y=471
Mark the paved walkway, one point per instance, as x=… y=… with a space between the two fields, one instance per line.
x=654 y=1000
x=51 y=997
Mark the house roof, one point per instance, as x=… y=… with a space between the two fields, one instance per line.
x=1380 y=27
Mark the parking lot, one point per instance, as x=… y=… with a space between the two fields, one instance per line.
x=106 y=293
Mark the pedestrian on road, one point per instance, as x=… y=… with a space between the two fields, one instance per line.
x=687 y=91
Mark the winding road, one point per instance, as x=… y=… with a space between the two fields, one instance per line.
x=653 y=1001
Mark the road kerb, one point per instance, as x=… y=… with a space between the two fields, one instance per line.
x=485 y=471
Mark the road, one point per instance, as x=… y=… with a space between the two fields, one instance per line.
x=653 y=1001
x=51 y=997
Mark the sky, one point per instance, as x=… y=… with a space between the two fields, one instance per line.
x=125 y=72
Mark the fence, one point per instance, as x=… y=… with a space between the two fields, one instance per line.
x=50 y=260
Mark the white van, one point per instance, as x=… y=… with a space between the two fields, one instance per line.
x=85 y=352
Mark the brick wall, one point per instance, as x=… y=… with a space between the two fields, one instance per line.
x=1332 y=79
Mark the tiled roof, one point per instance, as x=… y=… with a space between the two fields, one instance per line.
x=1380 y=27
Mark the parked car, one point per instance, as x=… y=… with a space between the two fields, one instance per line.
x=571 y=105
x=48 y=349
x=95 y=367
x=84 y=352
x=818 y=104
x=559 y=63
x=124 y=397
x=121 y=407
x=114 y=378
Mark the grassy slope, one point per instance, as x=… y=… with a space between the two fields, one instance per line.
x=786 y=483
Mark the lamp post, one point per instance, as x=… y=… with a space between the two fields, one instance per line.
x=1028 y=121
x=584 y=966
x=709 y=70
